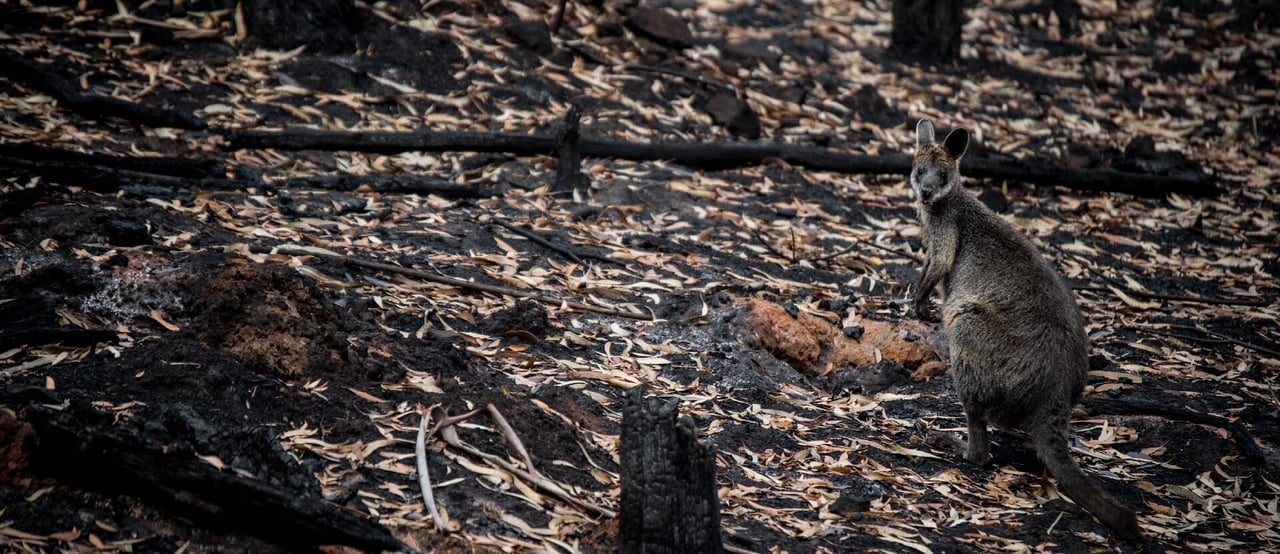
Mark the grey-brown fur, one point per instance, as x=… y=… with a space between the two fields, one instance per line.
x=1019 y=353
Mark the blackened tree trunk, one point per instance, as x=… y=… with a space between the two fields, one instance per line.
x=669 y=502
x=927 y=30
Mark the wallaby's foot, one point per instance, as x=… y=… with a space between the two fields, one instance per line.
x=1143 y=546
x=977 y=456
x=979 y=447
x=954 y=444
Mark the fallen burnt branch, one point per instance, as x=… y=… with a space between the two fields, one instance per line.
x=566 y=252
x=718 y=155
x=103 y=174
x=103 y=178
x=94 y=106
x=451 y=281
x=191 y=168
x=65 y=336
x=1119 y=288
x=1170 y=410
x=1213 y=338
x=532 y=236
x=151 y=460
x=405 y=184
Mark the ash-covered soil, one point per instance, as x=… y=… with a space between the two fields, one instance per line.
x=227 y=327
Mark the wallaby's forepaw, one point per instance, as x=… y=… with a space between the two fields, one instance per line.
x=924 y=311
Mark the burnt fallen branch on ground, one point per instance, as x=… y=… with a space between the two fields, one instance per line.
x=110 y=173
x=565 y=251
x=191 y=168
x=1213 y=337
x=104 y=178
x=404 y=184
x=451 y=281
x=1171 y=410
x=156 y=460
x=720 y=155
x=94 y=106
x=65 y=336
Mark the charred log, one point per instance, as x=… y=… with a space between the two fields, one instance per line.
x=94 y=106
x=158 y=461
x=722 y=155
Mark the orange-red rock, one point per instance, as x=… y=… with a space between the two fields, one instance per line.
x=814 y=345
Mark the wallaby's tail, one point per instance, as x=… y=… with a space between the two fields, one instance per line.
x=1051 y=446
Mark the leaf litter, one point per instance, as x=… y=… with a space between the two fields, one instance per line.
x=1180 y=294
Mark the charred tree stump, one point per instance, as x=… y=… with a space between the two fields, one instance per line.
x=569 y=175
x=669 y=502
x=927 y=30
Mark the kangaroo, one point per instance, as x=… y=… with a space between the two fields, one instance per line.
x=1019 y=353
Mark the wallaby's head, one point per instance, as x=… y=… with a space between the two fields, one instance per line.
x=935 y=170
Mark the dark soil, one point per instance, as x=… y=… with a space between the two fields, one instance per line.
x=152 y=314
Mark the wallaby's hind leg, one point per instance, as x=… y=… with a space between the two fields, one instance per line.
x=971 y=387
x=979 y=447
x=976 y=449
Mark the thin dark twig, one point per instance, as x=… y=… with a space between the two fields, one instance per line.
x=767 y=244
x=584 y=51
x=906 y=255
x=45 y=78
x=559 y=19
x=453 y=281
x=856 y=241
x=838 y=253
x=532 y=236
x=676 y=73
x=575 y=256
x=1202 y=300
x=1164 y=333
x=1181 y=297
x=1219 y=338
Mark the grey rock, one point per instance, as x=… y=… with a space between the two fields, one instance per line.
x=660 y=25
x=735 y=114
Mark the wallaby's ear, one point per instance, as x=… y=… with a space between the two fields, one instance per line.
x=924 y=132
x=957 y=142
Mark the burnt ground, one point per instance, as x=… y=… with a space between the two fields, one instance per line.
x=307 y=373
